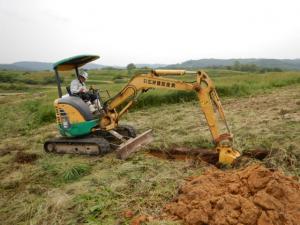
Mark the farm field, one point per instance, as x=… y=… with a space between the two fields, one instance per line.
x=263 y=112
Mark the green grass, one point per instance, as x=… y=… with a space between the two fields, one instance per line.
x=39 y=111
x=13 y=87
x=33 y=78
x=75 y=172
x=108 y=195
x=236 y=85
x=262 y=112
x=68 y=171
x=25 y=116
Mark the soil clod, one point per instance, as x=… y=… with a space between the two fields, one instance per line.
x=250 y=196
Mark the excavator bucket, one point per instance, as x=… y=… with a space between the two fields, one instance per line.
x=227 y=155
x=133 y=144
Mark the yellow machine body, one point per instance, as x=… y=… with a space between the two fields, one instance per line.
x=209 y=102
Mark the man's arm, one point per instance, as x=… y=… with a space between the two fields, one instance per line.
x=83 y=88
x=75 y=87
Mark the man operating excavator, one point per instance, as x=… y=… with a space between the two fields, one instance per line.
x=78 y=88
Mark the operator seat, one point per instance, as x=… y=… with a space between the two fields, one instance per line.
x=69 y=90
x=74 y=95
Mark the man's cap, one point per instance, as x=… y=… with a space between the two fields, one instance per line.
x=83 y=74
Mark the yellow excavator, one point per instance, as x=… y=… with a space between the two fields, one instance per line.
x=86 y=133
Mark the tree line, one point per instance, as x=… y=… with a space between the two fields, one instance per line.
x=237 y=66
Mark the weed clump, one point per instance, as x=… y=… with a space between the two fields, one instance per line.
x=40 y=113
x=75 y=172
x=45 y=114
x=65 y=172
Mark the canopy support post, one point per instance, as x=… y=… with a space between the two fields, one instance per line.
x=58 y=84
x=77 y=72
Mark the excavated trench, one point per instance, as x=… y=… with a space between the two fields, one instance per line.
x=206 y=155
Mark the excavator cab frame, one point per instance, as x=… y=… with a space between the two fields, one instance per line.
x=69 y=64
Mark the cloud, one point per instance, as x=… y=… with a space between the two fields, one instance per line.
x=148 y=31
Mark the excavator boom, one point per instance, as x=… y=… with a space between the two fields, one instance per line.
x=207 y=96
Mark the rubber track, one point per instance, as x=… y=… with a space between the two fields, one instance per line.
x=104 y=146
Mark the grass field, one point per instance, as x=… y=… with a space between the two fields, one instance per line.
x=263 y=111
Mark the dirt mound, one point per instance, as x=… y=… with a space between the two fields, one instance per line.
x=254 y=195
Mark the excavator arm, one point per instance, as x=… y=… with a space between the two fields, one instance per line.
x=207 y=96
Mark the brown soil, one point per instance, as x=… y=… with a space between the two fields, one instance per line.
x=253 y=195
x=139 y=220
x=183 y=153
x=22 y=157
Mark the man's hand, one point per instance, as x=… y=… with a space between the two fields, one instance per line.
x=82 y=90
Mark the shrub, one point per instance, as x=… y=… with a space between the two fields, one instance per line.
x=52 y=80
x=7 y=78
x=118 y=77
x=30 y=81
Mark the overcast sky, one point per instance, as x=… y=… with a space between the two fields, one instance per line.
x=148 y=31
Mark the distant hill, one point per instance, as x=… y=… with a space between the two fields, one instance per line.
x=154 y=66
x=285 y=64
x=37 y=66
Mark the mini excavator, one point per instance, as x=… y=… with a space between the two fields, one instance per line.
x=95 y=134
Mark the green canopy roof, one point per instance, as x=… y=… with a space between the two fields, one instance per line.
x=73 y=62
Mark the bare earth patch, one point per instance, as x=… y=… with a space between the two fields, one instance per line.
x=23 y=157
